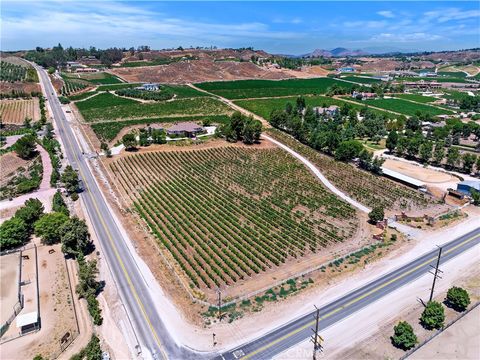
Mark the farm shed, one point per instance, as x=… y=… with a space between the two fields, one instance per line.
x=404 y=179
x=28 y=322
x=185 y=128
x=466 y=186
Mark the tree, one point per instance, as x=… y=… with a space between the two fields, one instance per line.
x=377 y=214
x=439 y=153
x=75 y=237
x=48 y=227
x=403 y=336
x=58 y=204
x=25 y=147
x=13 y=233
x=457 y=298
x=87 y=274
x=347 y=150
x=453 y=156
x=475 y=197
x=468 y=160
x=158 y=136
x=425 y=151
x=237 y=121
x=402 y=146
x=70 y=180
x=30 y=212
x=392 y=140
x=251 y=131
x=433 y=316
x=129 y=141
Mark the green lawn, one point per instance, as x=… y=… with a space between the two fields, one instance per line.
x=404 y=107
x=109 y=130
x=244 y=89
x=457 y=74
x=416 y=97
x=108 y=107
x=361 y=80
x=263 y=107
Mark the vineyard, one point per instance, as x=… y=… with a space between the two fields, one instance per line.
x=365 y=187
x=15 y=111
x=404 y=107
x=227 y=214
x=71 y=86
x=244 y=89
x=13 y=73
x=163 y=94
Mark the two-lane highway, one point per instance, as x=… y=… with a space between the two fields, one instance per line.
x=279 y=340
x=153 y=336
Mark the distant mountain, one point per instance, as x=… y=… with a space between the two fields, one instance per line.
x=337 y=52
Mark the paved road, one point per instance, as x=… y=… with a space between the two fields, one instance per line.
x=299 y=330
x=153 y=337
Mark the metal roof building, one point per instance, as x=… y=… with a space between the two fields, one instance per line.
x=404 y=179
x=466 y=186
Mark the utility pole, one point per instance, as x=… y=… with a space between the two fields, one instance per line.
x=435 y=275
x=316 y=339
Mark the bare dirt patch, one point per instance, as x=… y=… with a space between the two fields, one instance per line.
x=10 y=163
x=9 y=283
x=420 y=173
x=7 y=87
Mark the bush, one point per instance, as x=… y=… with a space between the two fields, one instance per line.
x=30 y=212
x=403 y=336
x=433 y=316
x=377 y=214
x=25 y=147
x=457 y=298
x=58 y=204
x=13 y=233
x=48 y=227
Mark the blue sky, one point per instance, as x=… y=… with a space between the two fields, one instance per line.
x=277 y=27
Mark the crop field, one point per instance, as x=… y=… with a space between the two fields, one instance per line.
x=82 y=96
x=245 y=89
x=12 y=73
x=417 y=97
x=15 y=111
x=108 y=107
x=71 y=86
x=109 y=130
x=404 y=107
x=457 y=74
x=114 y=87
x=365 y=187
x=361 y=80
x=439 y=79
x=263 y=107
x=100 y=78
x=226 y=214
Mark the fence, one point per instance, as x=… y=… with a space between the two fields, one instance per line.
x=430 y=338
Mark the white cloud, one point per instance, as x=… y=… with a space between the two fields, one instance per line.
x=444 y=15
x=405 y=38
x=373 y=24
x=386 y=13
x=281 y=20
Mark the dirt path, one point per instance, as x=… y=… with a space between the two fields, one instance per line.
x=10 y=140
x=44 y=192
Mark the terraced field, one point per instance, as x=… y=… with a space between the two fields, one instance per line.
x=15 y=111
x=227 y=214
x=365 y=187
x=404 y=107
x=244 y=89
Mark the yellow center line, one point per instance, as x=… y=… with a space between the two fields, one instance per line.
x=114 y=247
x=276 y=341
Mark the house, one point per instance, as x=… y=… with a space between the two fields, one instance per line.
x=187 y=129
x=423 y=85
x=72 y=64
x=332 y=110
x=86 y=70
x=28 y=322
x=467 y=186
x=149 y=87
x=364 y=95
x=346 y=69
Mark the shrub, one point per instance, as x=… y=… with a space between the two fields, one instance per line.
x=25 y=147
x=457 y=298
x=433 y=316
x=30 y=212
x=13 y=233
x=48 y=227
x=403 y=336
x=377 y=214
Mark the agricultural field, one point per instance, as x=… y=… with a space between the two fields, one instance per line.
x=107 y=131
x=71 y=86
x=15 y=111
x=365 y=187
x=17 y=73
x=417 y=98
x=114 y=87
x=361 y=80
x=95 y=78
x=457 y=74
x=439 y=79
x=108 y=107
x=245 y=89
x=264 y=107
x=404 y=107
x=241 y=213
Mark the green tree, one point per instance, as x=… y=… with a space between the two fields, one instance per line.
x=425 y=151
x=75 y=237
x=13 y=233
x=377 y=214
x=251 y=131
x=457 y=298
x=475 y=197
x=402 y=146
x=30 y=212
x=159 y=136
x=129 y=141
x=439 y=153
x=237 y=123
x=392 y=140
x=25 y=147
x=453 y=157
x=468 y=160
x=58 y=204
x=48 y=227
x=403 y=336
x=87 y=274
x=348 y=150
x=70 y=180
x=433 y=315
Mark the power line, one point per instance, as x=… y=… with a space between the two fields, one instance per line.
x=435 y=275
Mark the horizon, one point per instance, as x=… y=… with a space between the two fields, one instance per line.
x=276 y=27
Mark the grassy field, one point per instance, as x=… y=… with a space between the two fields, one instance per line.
x=404 y=107
x=263 y=107
x=365 y=187
x=454 y=95
x=361 y=80
x=108 y=107
x=416 y=97
x=109 y=130
x=241 y=212
x=457 y=74
x=244 y=89
x=82 y=95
